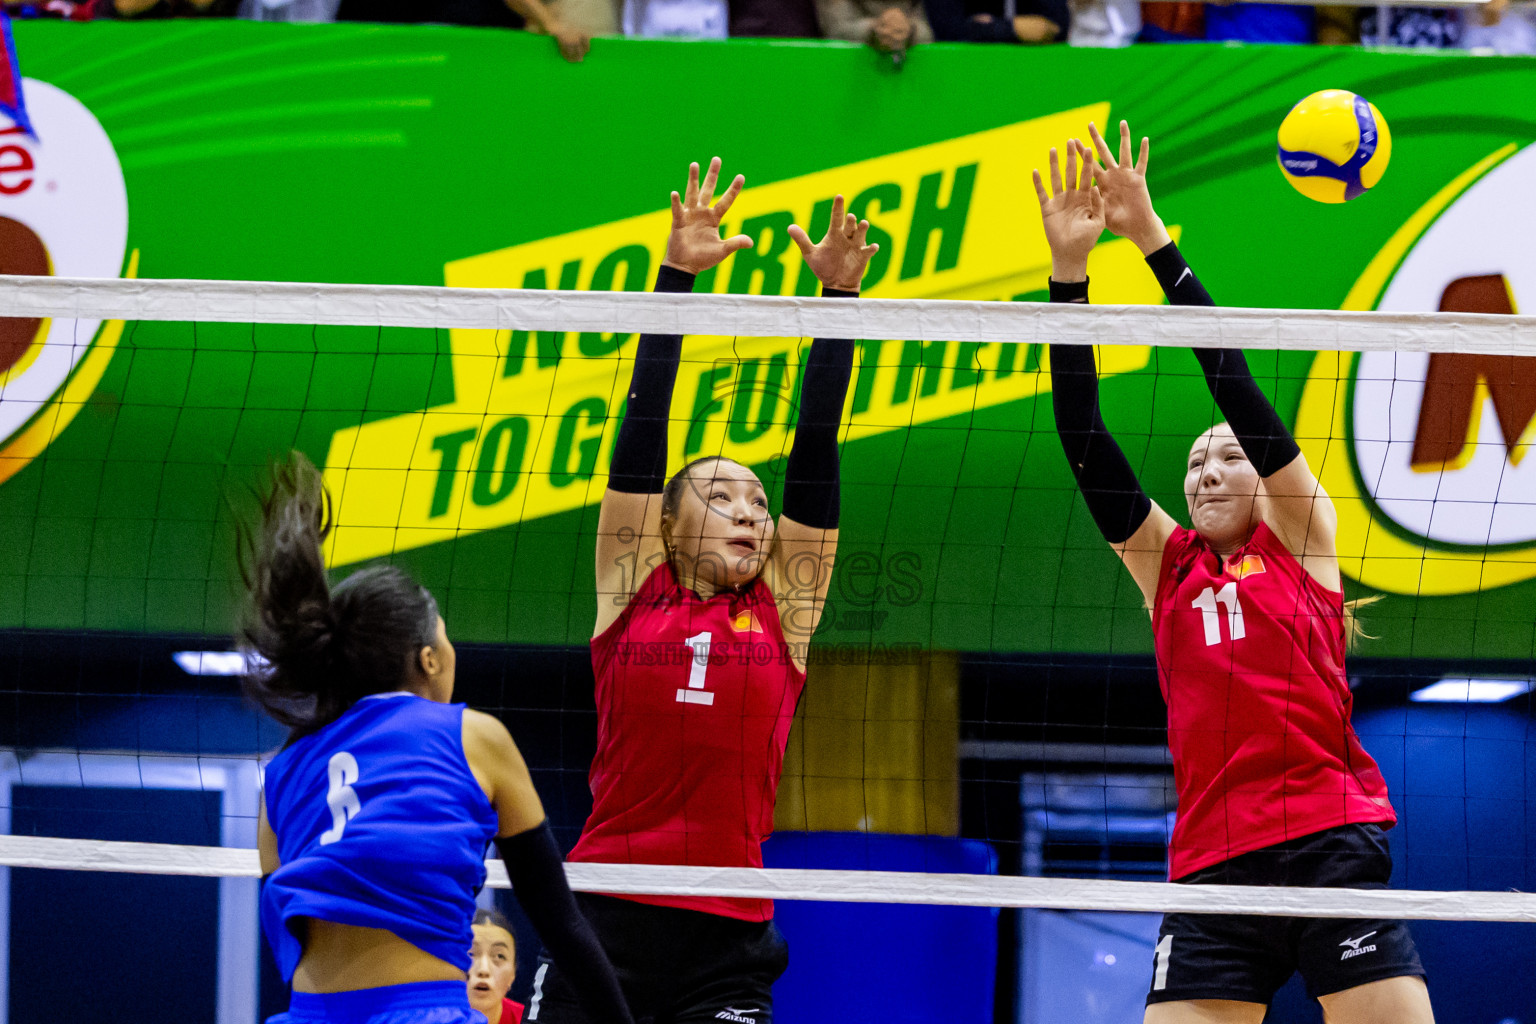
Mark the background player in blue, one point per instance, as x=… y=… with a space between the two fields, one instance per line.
x=377 y=814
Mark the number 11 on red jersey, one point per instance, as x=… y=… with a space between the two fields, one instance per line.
x=1210 y=618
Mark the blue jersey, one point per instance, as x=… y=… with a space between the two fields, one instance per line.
x=380 y=824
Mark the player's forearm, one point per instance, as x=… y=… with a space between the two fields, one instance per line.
x=1258 y=428
x=812 y=492
x=640 y=451
x=538 y=881
x=1176 y=278
x=1113 y=494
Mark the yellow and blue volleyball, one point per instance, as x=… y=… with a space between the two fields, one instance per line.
x=1334 y=146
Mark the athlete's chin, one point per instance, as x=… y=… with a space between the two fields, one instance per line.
x=1221 y=523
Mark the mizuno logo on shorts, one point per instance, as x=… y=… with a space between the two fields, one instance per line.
x=1355 y=949
x=739 y=1016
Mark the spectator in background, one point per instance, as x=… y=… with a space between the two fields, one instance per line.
x=144 y=10
x=774 y=19
x=492 y=969
x=890 y=26
x=288 y=10
x=1337 y=26
x=1104 y=23
x=1496 y=26
x=571 y=23
x=69 y=10
x=1172 y=22
x=1226 y=21
x=990 y=21
x=676 y=19
x=1425 y=28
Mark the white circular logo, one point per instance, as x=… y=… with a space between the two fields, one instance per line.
x=1440 y=440
x=64 y=212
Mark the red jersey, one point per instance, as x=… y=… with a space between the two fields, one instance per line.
x=1250 y=657
x=511 y=1013
x=694 y=704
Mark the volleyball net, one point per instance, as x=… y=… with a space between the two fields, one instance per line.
x=982 y=725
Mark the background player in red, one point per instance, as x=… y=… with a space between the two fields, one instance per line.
x=1250 y=628
x=705 y=608
x=493 y=969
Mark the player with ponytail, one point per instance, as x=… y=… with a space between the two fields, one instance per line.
x=377 y=814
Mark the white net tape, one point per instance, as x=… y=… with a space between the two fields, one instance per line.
x=772 y=316
x=763 y=316
x=847 y=886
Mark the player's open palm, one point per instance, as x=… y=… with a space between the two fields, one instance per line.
x=839 y=259
x=1072 y=213
x=695 y=244
x=1127 y=203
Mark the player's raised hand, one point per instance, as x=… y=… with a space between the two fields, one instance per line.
x=695 y=244
x=1072 y=213
x=839 y=259
x=1127 y=203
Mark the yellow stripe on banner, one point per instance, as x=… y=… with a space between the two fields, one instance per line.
x=530 y=428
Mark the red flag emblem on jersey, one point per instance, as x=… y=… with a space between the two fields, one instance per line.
x=1251 y=565
x=746 y=622
x=12 y=104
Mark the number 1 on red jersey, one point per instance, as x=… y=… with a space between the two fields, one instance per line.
x=695 y=692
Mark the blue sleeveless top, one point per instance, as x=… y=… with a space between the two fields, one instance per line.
x=379 y=824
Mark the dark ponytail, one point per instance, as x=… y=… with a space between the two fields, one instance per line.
x=318 y=648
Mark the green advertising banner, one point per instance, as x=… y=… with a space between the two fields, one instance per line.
x=424 y=155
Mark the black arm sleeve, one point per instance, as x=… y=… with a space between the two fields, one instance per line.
x=1259 y=429
x=538 y=881
x=1178 y=282
x=640 y=451
x=812 y=494
x=1114 y=496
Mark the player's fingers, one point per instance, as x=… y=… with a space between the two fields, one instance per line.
x=801 y=239
x=1146 y=152
x=850 y=225
x=1099 y=145
x=1071 y=176
x=835 y=222
x=724 y=205
x=677 y=211
x=691 y=194
x=738 y=242
x=707 y=192
x=1096 y=203
x=1125 y=143
x=861 y=233
x=1055 y=173
x=1039 y=188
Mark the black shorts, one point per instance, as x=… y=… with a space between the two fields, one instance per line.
x=675 y=966
x=1248 y=958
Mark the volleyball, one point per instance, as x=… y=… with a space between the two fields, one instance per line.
x=1334 y=146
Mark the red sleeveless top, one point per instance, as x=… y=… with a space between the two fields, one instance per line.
x=1250 y=658
x=694 y=704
